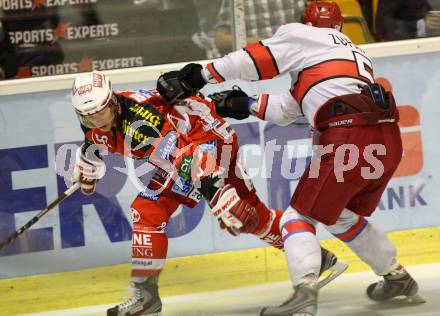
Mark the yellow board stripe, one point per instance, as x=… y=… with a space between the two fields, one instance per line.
x=185 y=275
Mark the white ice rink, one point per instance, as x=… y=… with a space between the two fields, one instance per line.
x=345 y=296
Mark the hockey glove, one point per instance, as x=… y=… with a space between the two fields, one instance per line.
x=178 y=85
x=234 y=214
x=87 y=172
x=170 y=88
x=231 y=103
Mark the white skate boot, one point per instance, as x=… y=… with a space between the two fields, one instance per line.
x=303 y=301
x=397 y=283
x=145 y=301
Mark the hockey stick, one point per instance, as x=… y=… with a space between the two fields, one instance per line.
x=35 y=219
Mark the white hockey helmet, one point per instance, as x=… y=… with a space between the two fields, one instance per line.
x=91 y=92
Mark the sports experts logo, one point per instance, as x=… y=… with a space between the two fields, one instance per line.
x=64 y=30
x=85 y=65
x=9 y=5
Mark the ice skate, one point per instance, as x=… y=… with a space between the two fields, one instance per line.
x=145 y=301
x=397 y=283
x=331 y=268
x=303 y=302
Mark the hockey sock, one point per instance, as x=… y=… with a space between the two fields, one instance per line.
x=303 y=252
x=367 y=241
x=149 y=250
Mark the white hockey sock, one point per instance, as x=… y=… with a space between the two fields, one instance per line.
x=367 y=241
x=375 y=249
x=303 y=255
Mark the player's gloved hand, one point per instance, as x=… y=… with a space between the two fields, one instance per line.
x=234 y=214
x=231 y=103
x=178 y=85
x=170 y=88
x=87 y=172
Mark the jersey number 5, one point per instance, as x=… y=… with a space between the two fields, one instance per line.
x=364 y=66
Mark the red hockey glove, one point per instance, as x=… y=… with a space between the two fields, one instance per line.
x=87 y=172
x=233 y=213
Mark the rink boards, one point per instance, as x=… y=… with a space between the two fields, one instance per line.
x=194 y=274
x=343 y=297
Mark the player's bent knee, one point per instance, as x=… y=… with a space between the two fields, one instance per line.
x=345 y=221
x=348 y=226
x=291 y=214
x=292 y=223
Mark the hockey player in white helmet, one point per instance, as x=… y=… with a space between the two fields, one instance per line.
x=333 y=87
x=93 y=101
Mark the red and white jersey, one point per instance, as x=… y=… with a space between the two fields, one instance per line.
x=178 y=141
x=323 y=63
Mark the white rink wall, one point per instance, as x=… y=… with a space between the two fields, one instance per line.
x=37 y=120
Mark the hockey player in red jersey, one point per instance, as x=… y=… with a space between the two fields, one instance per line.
x=333 y=87
x=194 y=153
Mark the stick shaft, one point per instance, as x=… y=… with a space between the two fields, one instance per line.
x=37 y=217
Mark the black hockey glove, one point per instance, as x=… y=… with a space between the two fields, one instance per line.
x=178 y=85
x=211 y=184
x=231 y=103
x=169 y=87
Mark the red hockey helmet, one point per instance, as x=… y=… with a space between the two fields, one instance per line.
x=323 y=14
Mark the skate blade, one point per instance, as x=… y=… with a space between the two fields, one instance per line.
x=403 y=300
x=295 y=314
x=415 y=299
x=332 y=273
